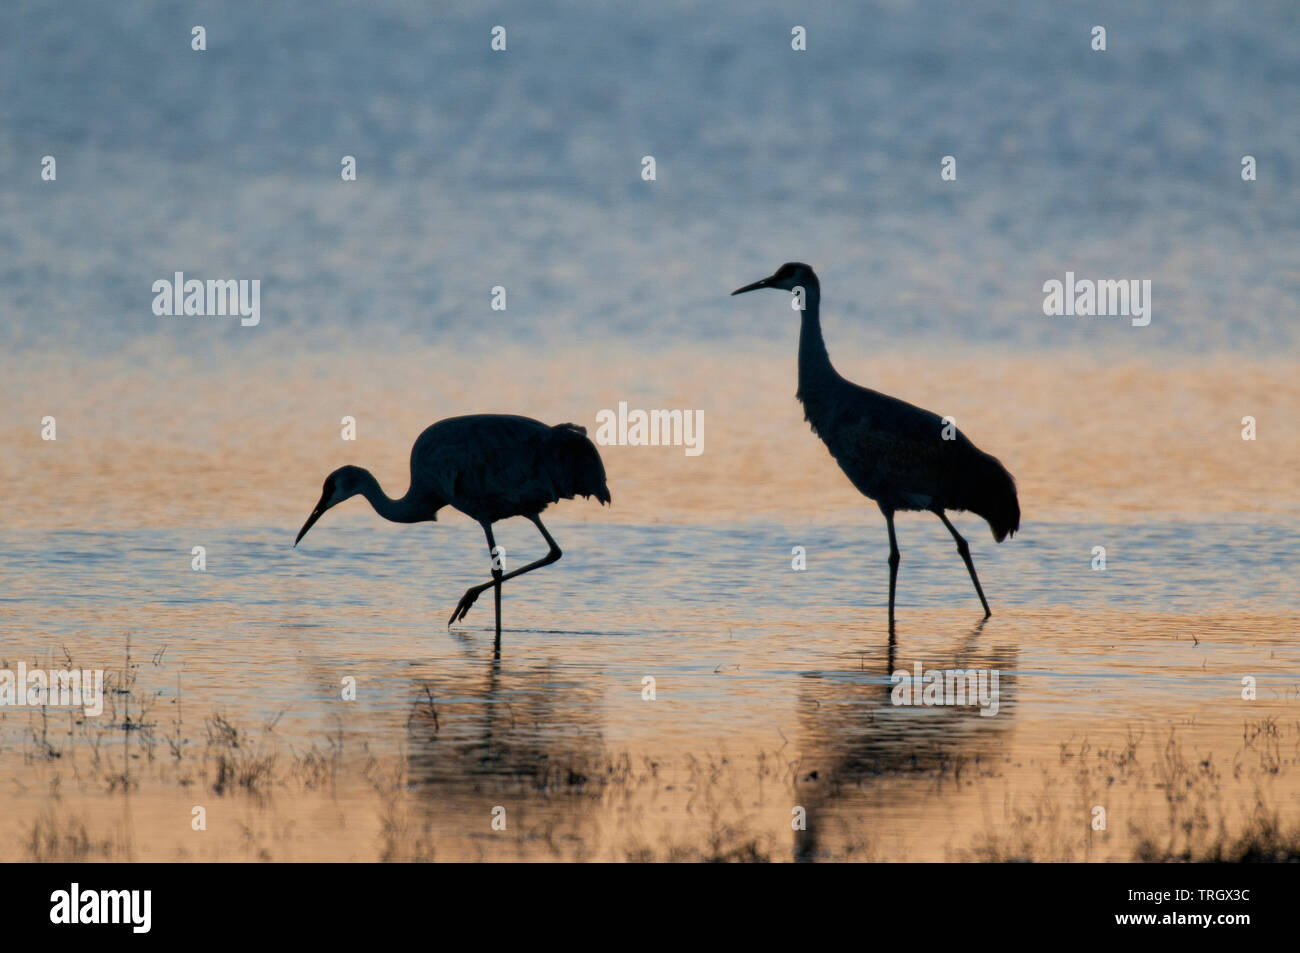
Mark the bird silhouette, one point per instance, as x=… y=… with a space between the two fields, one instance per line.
x=490 y=467
x=901 y=456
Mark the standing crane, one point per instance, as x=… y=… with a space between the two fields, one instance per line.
x=901 y=456
x=490 y=467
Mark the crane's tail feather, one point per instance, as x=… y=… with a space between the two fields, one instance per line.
x=582 y=473
x=991 y=493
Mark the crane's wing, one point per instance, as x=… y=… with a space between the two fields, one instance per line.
x=907 y=457
x=504 y=465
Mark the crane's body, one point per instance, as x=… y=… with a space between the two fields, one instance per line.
x=494 y=466
x=489 y=467
x=901 y=456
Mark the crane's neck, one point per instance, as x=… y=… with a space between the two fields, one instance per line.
x=409 y=509
x=816 y=375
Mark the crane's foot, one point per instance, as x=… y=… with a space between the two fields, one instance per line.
x=463 y=607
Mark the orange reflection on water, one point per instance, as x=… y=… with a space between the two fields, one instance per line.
x=146 y=440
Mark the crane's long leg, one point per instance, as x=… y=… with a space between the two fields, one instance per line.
x=894 y=560
x=472 y=593
x=965 y=555
x=496 y=580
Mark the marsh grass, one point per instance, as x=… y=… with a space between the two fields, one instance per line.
x=1173 y=804
x=1165 y=799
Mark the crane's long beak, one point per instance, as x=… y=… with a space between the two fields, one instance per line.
x=766 y=282
x=311 y=520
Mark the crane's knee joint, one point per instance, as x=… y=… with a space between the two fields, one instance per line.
x=894 y=559
x=962 y=547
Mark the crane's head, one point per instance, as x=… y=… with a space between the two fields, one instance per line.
x=344 y=483
x=791 y=275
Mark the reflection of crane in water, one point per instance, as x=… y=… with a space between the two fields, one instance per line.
x=490 y=467
x=893 y=452
x=528 y=739
x=535 y=726
x=862 y=754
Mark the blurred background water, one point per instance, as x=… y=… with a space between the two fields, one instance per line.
x=522 y=169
